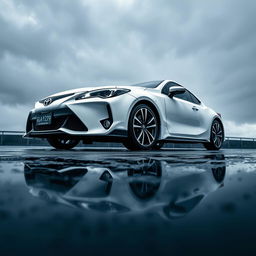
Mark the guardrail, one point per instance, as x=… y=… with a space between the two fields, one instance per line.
x=3 y=133
x=12 y=132
x=239 y=138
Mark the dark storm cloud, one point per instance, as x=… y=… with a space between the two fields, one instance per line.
x=209 y=46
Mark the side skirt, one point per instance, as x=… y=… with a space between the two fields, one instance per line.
x=184 y=140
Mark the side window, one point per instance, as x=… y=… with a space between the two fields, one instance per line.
x=188 y=96
x=194 y=99
x=183 y=96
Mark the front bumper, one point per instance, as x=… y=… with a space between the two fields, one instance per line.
x=83 y=118
x=62 y=118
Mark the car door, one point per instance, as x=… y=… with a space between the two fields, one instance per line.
x=184 y=116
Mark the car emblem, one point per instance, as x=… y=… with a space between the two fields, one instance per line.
x=47 y=101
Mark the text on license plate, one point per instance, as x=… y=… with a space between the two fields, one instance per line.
x=44 y=119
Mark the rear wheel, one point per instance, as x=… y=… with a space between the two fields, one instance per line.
x=217 y=136
x=143 y=128
x=63 y=143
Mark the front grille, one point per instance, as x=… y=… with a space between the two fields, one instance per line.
x=64 y=118
x=57 y=122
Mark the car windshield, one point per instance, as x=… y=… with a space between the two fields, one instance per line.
x=151 y=84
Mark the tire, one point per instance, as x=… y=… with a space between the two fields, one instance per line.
x=143 y=128
x=217 y=136
x=62 y=143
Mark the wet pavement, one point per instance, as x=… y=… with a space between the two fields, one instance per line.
x=116 y=202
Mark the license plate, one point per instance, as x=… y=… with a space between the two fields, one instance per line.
x=44 y=119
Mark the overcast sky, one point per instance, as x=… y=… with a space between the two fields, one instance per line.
x=53 y=45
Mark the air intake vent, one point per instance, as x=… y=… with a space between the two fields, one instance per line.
x=75 y=124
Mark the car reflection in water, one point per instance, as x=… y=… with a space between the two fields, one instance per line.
x=170 y=188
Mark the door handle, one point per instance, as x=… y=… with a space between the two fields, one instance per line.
x=195 y=108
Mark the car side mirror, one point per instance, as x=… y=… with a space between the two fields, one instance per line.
x=176 y=90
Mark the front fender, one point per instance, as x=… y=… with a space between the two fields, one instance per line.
x=160 y=108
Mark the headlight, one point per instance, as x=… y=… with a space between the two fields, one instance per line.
x=102 y=93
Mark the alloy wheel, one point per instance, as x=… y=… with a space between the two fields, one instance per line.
x=217 y=134
x=145 y=126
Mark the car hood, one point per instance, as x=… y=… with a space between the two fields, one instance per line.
x=85 y=89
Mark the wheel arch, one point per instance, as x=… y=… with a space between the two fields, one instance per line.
x=150 y=103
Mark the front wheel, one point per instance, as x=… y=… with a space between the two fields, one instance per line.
x=143 y=128
x=62 y=143
x=217 y=136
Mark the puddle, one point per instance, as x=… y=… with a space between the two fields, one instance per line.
x=146 y=203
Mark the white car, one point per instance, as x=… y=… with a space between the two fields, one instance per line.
x=142 y=116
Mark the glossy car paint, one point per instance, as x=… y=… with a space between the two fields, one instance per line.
x=178 y=118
